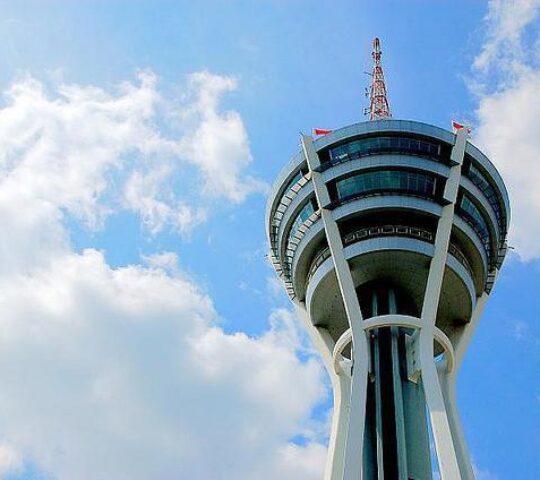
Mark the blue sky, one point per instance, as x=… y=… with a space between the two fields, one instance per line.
x=141 y=322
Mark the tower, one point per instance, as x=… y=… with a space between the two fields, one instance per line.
x=388 y=236
x=378 y=100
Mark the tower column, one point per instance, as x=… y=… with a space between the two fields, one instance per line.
x=341 y=387
x=448 y=384
x=352 y=468
x=440 y=426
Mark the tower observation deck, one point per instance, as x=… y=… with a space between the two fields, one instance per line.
x=388 y=236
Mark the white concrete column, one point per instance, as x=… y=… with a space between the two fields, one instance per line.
x=436 y=406
x=444 y=230
x=319 y=336
x=440 y=426
x=352 y=469
x=340 y=422
x=461 y=343
x=448 y=384
x=341 y=387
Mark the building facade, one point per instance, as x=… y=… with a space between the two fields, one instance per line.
x=388 y=236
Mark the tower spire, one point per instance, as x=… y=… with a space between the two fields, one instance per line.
x=378 y=107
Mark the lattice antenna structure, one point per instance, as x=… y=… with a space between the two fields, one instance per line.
x=378 y=107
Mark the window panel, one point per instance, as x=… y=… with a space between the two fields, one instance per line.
x=471 y=213
x=306 y=211
x=478 y=178
x=388 y=144
x=386 y=180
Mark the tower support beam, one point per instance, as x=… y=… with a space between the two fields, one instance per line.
x=352 y=468
x=440 y=426
x=341 y=386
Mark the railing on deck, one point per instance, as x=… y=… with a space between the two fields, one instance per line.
x=386 y=230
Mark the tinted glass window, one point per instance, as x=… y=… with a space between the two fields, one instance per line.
x=386 y=180
x=478 y=178
x=302 y=216
x=474 y=216
x=377 y=145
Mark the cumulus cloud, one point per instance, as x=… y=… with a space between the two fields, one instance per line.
x=125 y=373
x=77 y=147
x=509 y=112
x=142 y=194
x=10 y=460
x=218 y=142
x=483 y=474
x=60 y=146
x=508 y=132
x=302 y=462
x=506 y=22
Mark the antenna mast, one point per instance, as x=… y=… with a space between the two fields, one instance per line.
x=378 y=107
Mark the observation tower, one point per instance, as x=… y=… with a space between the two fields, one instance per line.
x=388 y=236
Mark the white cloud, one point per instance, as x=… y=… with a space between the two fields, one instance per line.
x=506 y=21
x=10 y=459
x=483 y=474
x=218 y=142
x=274 y=286
x=509 y=114
x=142 y=194
x=124 y=373
x=508 y=133
x=520 y=330
x=167 y=261
x=75 y=146
x=301 y=462
x=60 y=146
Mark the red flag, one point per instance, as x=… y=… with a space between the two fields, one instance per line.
x=321 y=131
x=459 y=126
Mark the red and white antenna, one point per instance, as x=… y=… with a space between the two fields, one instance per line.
x=378 y=107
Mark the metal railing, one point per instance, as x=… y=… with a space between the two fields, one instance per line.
x=295 y=241
x=386 y=230
x=457 y=253
x=279 y=211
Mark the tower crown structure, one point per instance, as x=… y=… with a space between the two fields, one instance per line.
x=378 y=105
x=388 y=236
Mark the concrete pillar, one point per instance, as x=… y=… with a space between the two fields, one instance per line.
x=436 y=405
x=352 y=469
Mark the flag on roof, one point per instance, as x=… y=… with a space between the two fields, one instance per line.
x=459 y=126
x=321 y=131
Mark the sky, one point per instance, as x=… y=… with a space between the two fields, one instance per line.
x=143 y=334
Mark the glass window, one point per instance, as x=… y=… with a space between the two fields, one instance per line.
x=478 y=178
x=386 y=180
x=306 y=211
x=474 y=216
x=388 y=144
